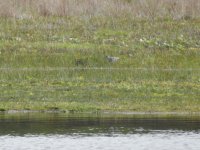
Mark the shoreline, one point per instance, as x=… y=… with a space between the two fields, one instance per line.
x=99 y=112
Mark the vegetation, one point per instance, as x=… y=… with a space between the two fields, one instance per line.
x=58 y=62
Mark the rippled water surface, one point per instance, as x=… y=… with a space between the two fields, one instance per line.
x=54 y=131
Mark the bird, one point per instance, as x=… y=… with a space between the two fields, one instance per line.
x=112 y=59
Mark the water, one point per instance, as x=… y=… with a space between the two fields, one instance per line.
x=57 y=131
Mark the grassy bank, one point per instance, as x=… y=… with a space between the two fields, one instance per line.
x=59 y=63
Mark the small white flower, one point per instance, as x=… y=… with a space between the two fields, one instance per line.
x=18 y=39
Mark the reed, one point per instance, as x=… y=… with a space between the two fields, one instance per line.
x=146 y=9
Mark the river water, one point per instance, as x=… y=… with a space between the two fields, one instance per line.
x=68 y=131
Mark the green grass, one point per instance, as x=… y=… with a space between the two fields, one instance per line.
x=60 y=64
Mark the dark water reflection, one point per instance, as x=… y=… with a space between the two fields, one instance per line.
x=93 y=124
